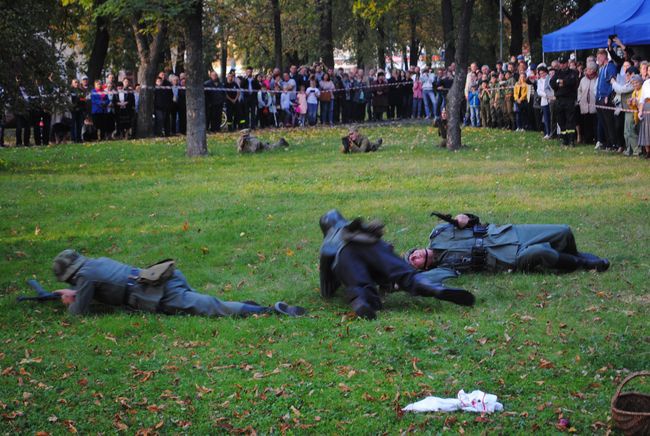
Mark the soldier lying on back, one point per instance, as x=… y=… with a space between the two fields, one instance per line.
x=160 y=288
x=248 y=143
x=353 y=255
x=464 y=244
x=355 y=142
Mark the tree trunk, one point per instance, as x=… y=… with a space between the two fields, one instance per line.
x=359 y=36
x=149 y=53
x=448 y=31
x=414 y=42
x=223 y=59
x=456 y=93
x=381 y=45
x=100 y=48
x=196 y=136
x=516 y=28
x=535 y=9
x=277 y=33
x=324 y=10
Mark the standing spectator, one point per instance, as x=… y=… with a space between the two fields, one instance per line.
x=486 y=105
x=301 y=106
x=496 y=102
x=286 y=104
x=21 y=110
x=587 y=103
x=40 y=116
x=313 y=94
x=348 y=93
x=521 y=103
x=232 y=102
x=214 y=100
x=339 y=96
x=124 y=104
x=565 y=85
x=604 y=97
x=326 y=97
x=368 y=83
x=545 y=93
x=428 y=95
x=164 y=96
x=251 y=86
x=136 y=96
x=508 y=100
x=264 y=104
x=99 y=103
x=443 y=85
x=417 y=96
x=643 y=108
x=474 y=105
x=407 y=94
x=175 y=108
x=630 y=136
x=394 y=94
x=359 y=99
x=380 y=97
x=182 y=106
x=77 y=110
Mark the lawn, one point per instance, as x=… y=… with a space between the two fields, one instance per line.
x=246 y=227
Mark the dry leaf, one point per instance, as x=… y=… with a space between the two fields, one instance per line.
x=547 y=364
x=186 y=226
x=344 y=388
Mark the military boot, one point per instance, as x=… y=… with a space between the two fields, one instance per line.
x=586 y=261
x=424 y=287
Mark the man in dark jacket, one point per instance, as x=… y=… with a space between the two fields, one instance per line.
x=353 y=255
x=565 y=85
x=213 y=102
x=160 y=288
x=162 y=101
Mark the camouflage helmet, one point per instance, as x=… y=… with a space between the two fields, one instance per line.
x=66 y=263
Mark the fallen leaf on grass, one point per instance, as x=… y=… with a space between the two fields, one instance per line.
x=344 y=388
x=547 y=364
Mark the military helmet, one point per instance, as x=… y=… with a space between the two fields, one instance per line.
x=66 y=263
x=332 y=219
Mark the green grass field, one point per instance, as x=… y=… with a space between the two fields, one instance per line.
x=246 y=227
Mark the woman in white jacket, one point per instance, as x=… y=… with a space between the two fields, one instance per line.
x=587 y=103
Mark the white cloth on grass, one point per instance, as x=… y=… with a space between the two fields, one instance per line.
x=476 y=401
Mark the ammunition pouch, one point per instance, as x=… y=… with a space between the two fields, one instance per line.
x=148 y=288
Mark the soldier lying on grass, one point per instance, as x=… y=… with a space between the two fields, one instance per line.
x=160 y=288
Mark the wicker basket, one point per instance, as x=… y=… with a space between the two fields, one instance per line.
x=631 y=410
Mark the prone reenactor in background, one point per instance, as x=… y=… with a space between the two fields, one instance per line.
x=355 y=142
x=248 y=143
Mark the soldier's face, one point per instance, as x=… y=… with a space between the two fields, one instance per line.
x=421 y=258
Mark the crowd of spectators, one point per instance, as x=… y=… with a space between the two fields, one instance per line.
x=599 y=101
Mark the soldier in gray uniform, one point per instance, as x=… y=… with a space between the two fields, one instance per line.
x=248 y=143
x=463 y=244
x=353 y=255
x=159 y=288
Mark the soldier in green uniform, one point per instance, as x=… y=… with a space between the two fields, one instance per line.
x=355 y=142
x=463 y=244
x=248 y=143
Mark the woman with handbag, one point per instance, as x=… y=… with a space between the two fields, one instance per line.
x=326 y=97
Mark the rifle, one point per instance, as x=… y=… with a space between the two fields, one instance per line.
x=445 y=217
x=42 y=294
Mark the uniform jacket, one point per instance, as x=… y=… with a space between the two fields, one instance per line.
x=106 y=281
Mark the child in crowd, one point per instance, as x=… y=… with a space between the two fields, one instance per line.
x=313 y=93
x=88 y=131
x=521 y=103
x=301 y=106
x=474 y=105
x=287 y=105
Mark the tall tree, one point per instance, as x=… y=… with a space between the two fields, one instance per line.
x=324 y=9
x=196 y=132
x=99 y=50
x=149 y=53
x=516 y=27
x=447 y=17
x=534 y=10
x=414 y=41
x=456 y=93
x=277 y=33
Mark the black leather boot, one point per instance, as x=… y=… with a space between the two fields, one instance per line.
x=425 y=288
x=568 y=262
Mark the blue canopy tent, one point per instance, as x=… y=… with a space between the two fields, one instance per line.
x=627 y=18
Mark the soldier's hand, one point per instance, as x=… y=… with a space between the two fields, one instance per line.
x=462 y=220
x=67 y=295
